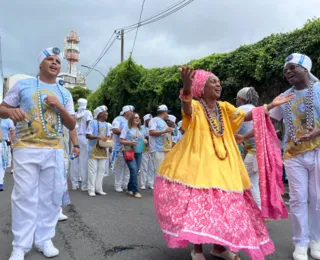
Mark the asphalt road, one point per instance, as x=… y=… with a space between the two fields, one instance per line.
x=117 y=227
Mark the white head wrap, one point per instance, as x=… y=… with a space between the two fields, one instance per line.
x=243 y=93
x=126 y=109
x=99 y=110
x=302 y=60
x=53 y=51
x=172 y=118
x=147 y=117
x=82 y=103
x=179 y=124
x=163 y=108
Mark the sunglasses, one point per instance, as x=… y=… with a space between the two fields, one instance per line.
x=290 y=67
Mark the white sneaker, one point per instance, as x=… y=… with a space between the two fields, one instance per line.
x=315 y=249
x=91 y=194
x=75 y=187
x=62 y=217
x=84 y=189
x=118 y=190
x=197 y=256
x=124 y=188
x=48 y=249
x=300 y=253
x=143 y=187
x=17 y=254
x=102 y=193
x=151 y=187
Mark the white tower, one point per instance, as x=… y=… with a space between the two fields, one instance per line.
x=71 y=52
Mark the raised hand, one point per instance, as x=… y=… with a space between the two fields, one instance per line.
x=187 y=74
x=282 y=99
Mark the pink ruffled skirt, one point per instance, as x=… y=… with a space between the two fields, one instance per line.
x=211 y=216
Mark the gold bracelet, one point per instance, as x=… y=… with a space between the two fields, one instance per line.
x=266 y=111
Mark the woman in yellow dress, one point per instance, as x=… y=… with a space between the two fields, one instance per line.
x=202 y=192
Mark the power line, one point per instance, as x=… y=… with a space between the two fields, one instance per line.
x=135 y=38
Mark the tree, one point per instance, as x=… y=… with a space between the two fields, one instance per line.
x=79 y=92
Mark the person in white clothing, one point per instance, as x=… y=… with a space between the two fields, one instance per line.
x=175 y=133
x=97 y=131
x=79 y=166
x=44 y=107
x=147 y=177
x=119 y=166
x=6 y=134
x=109 y=153
x=160 y=140
x=247 y=99
x=301 y=118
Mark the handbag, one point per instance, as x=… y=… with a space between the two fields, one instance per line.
x=139 y=148
x=129 y=155
x=106 y=144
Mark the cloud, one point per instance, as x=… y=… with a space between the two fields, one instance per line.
x=201 y=28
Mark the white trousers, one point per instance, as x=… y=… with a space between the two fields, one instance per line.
x=147 y=170
x=34 y=215
x=301 y=171
x=107 y=171
x=251 y=164
x=96 y=170
x=121 y=173
x=157 y=158
x=79 y=166
x=9 y=156
x=2 y=167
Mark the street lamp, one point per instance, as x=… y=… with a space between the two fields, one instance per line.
x=94 y=70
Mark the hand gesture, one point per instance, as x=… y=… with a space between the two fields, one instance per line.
x=312 y=134
x=239 y=138
x=102 y=138
x=169 y=130
x=53 y=102
x=16 y=114
x=187 y=74
x=134 y=143
x=75 y=151
x=282 y=99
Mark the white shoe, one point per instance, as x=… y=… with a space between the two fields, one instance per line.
x=300 y=253
x=91 y=194
x=315 y=249
x=62 y=217
x=118 y=190
x=130 y=193
x=143 y=187
x=102 y=193
x=75 y=187
x=17 y=254
x=84 y=189
x=151 y=187
x=197 y=256
x=48 y=249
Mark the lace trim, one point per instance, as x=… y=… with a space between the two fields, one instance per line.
x=217 y=238
x=200 y=188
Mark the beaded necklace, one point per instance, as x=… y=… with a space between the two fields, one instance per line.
x=215 y=130
x=43 y=123
x=309 y=113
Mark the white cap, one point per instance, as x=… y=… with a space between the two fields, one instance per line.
x=180 y=124
x=302 y=60
x=99 y=110
x=147 y=117
x=52 y=51
x=172 y=118
x=126 y=109
x=82 y=103
x=163 y=108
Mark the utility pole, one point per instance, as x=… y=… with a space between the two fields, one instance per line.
x=122 y=44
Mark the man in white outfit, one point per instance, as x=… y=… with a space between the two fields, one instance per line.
x=247 y=99
x=79 y=166
x=301 y=118
x=119 y=166
x=6 y=134
x=38 y=154
x=147 y=168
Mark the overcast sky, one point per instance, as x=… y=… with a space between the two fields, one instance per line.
x=202 y=28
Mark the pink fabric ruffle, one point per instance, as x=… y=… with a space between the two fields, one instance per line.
x=269 y=166
x=211 y=216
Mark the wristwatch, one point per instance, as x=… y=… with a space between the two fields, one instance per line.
x=76 y=146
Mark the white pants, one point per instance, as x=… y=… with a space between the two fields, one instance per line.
x=157 y=158
x=79 y=166
x=147 y=170
x=2 y=167
x=107 y=171
x=96 y=170
x=34 y=215
x=301 y=171
x=9 y=156
x=251 y=164
x=121 y=173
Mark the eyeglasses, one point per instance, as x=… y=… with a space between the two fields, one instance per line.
x=290 y=67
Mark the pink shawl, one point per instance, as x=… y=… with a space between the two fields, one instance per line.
x=269 y=166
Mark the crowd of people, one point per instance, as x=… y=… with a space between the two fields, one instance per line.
x=205 y=192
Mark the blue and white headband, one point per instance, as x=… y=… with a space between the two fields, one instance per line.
x=53 y=51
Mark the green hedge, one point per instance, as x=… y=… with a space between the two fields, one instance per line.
x=259 y=65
